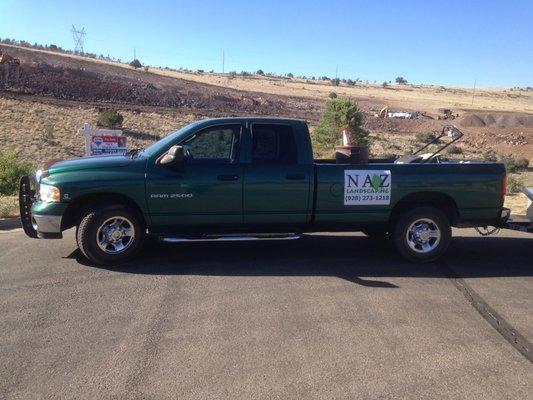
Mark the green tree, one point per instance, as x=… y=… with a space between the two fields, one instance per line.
x=110 y=118
x=135 y=64
x=400 y=80
x=339 y=114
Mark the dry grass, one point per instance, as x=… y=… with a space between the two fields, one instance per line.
x=9 y=206
x=39 y=132
x=517 y=203
x=417 y=97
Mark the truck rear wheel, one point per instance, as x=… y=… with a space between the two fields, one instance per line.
x=422 y=234
x=112 y=234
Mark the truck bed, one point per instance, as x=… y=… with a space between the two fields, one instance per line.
x=344 y=192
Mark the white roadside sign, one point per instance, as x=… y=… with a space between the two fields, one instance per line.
x=103 y=141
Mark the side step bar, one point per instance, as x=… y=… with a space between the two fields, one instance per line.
x=228 y=238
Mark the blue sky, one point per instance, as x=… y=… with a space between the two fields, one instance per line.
x=442 y=42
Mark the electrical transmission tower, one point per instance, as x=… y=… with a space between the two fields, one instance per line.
x=78 y=35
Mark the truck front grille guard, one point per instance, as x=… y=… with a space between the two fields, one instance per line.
x=26 y=199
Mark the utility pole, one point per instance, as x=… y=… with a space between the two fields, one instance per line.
x=474 y=92
x=336 y=71
x=223 y=60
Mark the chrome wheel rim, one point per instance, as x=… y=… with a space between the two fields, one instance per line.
x=423 y=235
x=115 y=235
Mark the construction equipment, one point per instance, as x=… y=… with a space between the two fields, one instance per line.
x=9 y=70
x=446 y=113
x=383 y=113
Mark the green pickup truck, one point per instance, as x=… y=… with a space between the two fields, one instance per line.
x=255 y=178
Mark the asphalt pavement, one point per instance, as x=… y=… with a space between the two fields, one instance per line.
x=326 y=317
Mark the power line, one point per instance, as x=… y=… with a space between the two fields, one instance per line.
x=78 y=36
x=474 y=91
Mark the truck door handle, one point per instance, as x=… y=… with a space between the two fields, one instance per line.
x=295 y=177
x=228 y=177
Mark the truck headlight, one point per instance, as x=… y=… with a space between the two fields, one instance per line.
x=48 y=193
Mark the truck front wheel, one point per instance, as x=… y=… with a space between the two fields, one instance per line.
x=111 y=234
x=422 y=234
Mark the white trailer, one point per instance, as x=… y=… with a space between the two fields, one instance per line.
x=522 y=223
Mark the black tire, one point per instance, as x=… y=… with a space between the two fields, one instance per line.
x=94 y=223
x=409 y=234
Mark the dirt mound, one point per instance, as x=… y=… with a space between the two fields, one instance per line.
x=469 y=120
x=497 y=120
x=66 y=78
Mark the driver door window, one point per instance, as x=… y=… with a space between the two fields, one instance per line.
x=203 y=190
x=216 y=145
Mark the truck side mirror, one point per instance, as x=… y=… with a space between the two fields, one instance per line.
x=174 y=155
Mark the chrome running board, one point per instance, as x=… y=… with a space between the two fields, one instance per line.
x=229 y=238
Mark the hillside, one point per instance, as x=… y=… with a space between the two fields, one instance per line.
x=56 y=93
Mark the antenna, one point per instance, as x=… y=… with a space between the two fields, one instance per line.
x=78 y=35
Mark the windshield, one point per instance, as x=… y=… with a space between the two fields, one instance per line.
x=165 y=143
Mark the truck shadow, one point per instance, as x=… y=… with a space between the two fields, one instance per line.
x=346 y=257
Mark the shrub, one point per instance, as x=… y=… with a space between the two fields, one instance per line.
x=515 y=164
x=11 y=170
x=385 y=85
x=426 y=137
x=110 y=118
x=490 y=155
x=146 y=68
x=522 y=163
x=47 y=135
x=349 y=82
x=245 y=73
x=453 y=149
x=514 y=184
x=339 y=114
x=135 y=64
x=335 y=81
x=260 y=72
x=290 y=75
x=332 y=95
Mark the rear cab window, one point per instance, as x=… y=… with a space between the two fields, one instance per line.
x=273 y=144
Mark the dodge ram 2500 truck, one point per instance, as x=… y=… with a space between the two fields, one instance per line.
x=250 y=178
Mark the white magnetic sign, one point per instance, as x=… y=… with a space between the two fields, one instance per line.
x=367 y=187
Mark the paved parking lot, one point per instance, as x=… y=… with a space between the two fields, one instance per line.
x=324 y=317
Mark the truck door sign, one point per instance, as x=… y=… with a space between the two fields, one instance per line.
x=367 y=187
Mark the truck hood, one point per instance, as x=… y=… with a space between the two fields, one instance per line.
x=78 y=164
